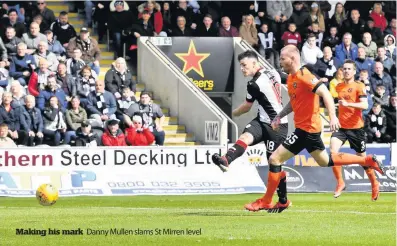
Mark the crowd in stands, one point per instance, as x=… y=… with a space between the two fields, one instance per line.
x=49 y=73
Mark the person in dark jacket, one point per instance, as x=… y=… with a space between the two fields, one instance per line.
x=34 y=121
x=332 y=39
x=375 y=124
x=354 y=25
x=85 y=136
x=326 y=66
x=52 y=89
x=55 y=46
x=390 y=112
x=54 y=122
x=46 y=13
x=13 y=117
x=380 y=77
x=363 y=62
x=11 y=21
x=167 y=17
x=339 y=16
x=187 y=12
x=207 y=29
x=22 y=65
x=113 y=136
x=142 y=28
x=101 y=17
x=376 y=33
x=119 y=20
x=66 y=82
x=62 y=29
x=11 y=41
x=119 y=77
x=300 y=16
x=182 y=30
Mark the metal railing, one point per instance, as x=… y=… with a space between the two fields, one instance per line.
x=183 y=76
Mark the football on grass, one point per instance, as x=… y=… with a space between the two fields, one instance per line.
x=47 y=194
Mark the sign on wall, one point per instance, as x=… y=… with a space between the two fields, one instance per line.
x=212 y=132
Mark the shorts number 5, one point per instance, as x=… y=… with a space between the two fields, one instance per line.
x=291 y=139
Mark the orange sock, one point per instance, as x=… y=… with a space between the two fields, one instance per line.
x=371 y=176
x=341 y=159
x=273 y=179
x=338 y=174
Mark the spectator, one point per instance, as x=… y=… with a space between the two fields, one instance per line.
x=310 y=52
x=34 y=121
x=55 y=46
x=214 y=8
x=118 y=77
x=46 y=13
x=291 y=36
x=364 y=78
x=390 y=47
x=22 y=65
x=138 y=134
x=316 y=17
x=51 y=90
x=354 y=25
x=85 y=136
x=325 y=67
x=18 y=94
x=207 y=29
x=3 y=54
x=102 y=105
x=317 y=33
x=300 y=16
x=346 y=50
x=113 y=136
x=368 y=45
x=266 y=46
x=380 y=96
x=62 y=30
x=91 y=53
x=125 y=102
x=279 y=12
x=335 y=81
x=389 y=8
x=150 y=112
x=167 y=18
x=75 y=115
x=42 y=75
x=382 y=57
x=375 y=124
x=182 y=30
x=13 y=117
x=54 y=122
x=332 y=39
x=378 y=16
x=11 y=21
x=4 y=76
x=226 y=29
x=85 y=84
x=143 y=28
x=75 y=64
x=380 y=77
x=339 y=16
x=390 y=112
x=392 y=27
x=43 y=53
x=11 y=41
x=33 y=38
x=42 y=24
x=119 y=20
x=66 y=82
x=187 y=13
x=156 y=17
x=376 y=33
x=5 y=141
x=248 y=31
x=363 y=63
x=101 y=13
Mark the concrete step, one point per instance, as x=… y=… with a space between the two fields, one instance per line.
x=179 y=137
x=76 y=22
x=172 y=129
x=171 y=120
x=79 y=28
x=140 y=87
x=58 y=7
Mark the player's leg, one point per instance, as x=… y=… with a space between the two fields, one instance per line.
x=337 y=140
x=252 y=134
x=290 y=147
x=357 y=139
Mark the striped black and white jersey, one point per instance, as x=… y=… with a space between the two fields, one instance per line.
x=265 y=87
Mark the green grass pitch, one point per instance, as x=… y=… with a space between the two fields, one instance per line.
x=314 y=219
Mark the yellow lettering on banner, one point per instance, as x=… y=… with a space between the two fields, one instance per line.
x=26 y=178
x=310 y=162
x=207 y=85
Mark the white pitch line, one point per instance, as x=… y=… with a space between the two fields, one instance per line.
x=290 y=210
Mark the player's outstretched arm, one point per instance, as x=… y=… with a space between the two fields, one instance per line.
x=323 y=92
x=242 y=109
x=363 y=104
x=284 y=112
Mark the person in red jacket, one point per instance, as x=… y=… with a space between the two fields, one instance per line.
x=379 y=17
x=113 y=136
x=137 y=134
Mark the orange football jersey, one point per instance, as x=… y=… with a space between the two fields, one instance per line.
x=351 y=118
x=305 y=103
